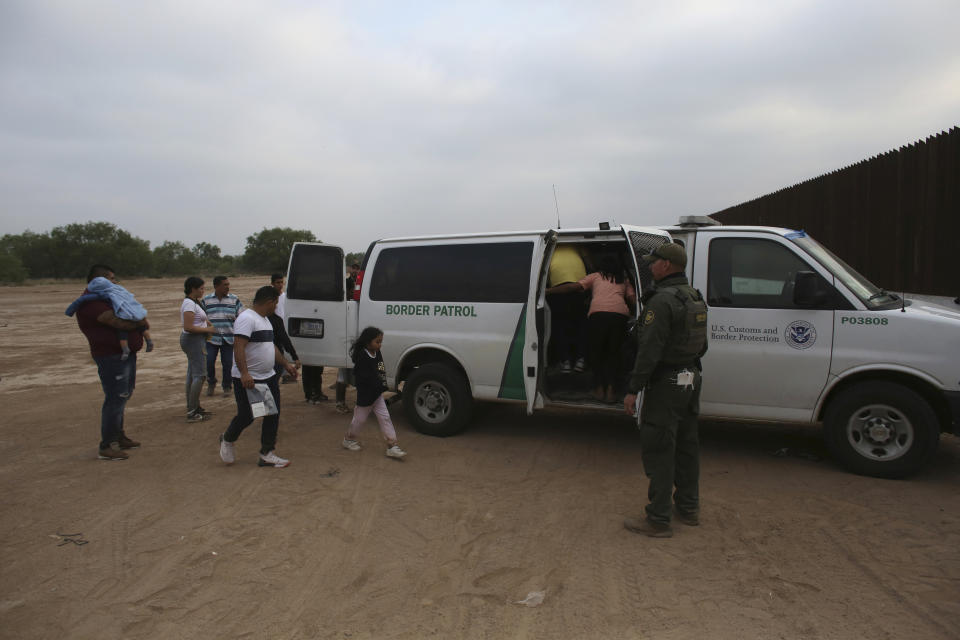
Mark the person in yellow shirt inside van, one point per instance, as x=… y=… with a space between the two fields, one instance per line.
x=567 y=308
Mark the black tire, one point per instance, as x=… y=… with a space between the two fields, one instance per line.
x=437 y=400
x=881 y=429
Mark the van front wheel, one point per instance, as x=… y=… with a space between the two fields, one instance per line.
x=881 y=429
x=437 y=400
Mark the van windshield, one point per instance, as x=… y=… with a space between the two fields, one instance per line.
x=870 y=294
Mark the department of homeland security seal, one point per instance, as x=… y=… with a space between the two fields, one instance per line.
x=800 y=334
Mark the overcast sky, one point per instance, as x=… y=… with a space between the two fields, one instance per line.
x=208 y=121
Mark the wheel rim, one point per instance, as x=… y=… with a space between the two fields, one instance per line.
x=880 y=432
x=433 y=402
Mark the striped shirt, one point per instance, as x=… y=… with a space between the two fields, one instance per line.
x=222 y=313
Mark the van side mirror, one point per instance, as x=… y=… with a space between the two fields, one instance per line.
x=807 y=291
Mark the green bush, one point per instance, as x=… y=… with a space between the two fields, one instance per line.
x=11 y=269
x=269 y=250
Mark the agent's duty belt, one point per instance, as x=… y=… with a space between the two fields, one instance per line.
x=664 y=368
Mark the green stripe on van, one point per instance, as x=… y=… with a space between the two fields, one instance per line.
x=511 y=384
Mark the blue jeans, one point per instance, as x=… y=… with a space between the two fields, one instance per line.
x=118 y=379
x=226 y=361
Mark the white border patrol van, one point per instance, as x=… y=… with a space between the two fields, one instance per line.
x=796 y=335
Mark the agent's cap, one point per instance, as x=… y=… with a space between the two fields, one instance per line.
x=671 y=251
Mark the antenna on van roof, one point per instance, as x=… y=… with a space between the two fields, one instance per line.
x=557 y=204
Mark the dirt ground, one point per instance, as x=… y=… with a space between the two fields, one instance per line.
x=444 y=544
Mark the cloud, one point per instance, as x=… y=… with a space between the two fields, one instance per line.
x=358 y=120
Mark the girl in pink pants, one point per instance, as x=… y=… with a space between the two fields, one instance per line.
x=370 y=377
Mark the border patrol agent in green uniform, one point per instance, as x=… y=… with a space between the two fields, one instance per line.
x=673 y=338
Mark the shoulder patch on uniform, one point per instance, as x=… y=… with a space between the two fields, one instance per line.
x=648 y=317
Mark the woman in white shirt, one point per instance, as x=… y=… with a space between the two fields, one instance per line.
x=193 y=341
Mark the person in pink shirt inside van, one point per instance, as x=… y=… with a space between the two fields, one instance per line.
x=612 y=294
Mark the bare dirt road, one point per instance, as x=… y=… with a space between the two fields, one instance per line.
x=443 y=544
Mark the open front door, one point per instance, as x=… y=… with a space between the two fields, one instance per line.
x=316 y=309
x=643 y=240
x=534 y=351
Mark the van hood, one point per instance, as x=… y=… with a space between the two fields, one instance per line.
x=929 y=308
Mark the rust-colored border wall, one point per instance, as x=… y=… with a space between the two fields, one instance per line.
x=895 y=217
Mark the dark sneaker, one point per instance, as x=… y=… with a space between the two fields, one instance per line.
x=689 y=519
x=113 y=452
x=204 y=411
x=647 y=528
x=127 y=443
x=196 y=416
x=211 y=389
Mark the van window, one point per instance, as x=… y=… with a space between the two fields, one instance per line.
x=488 y=272
x=753 y=273
x=316 y=273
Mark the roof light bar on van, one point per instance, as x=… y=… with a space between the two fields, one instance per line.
x=697 y=221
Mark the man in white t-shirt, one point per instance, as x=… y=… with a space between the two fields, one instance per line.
x=254 y=356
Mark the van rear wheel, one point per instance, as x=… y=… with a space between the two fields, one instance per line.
x=437 y=400
x=881 y=429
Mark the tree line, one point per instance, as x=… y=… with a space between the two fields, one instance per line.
x=68 y=251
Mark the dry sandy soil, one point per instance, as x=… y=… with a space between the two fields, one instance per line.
x=444 y=544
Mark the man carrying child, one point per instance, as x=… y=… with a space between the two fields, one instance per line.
x=118 y=374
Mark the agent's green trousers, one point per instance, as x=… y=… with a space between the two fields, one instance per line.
x=671 y=447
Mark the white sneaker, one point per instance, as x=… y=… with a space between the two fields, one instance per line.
x=565 y=367
x=353 y=445
x=396 y=452
x=580 y=366
x=227 y=453
x=272 y=460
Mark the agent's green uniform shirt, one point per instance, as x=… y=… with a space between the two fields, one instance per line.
x=673 y=332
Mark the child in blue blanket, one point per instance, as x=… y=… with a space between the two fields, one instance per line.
x=125 y=307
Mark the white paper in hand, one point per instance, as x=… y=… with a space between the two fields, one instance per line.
x=261 y=401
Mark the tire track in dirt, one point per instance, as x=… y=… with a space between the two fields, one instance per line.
x=943 y=628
